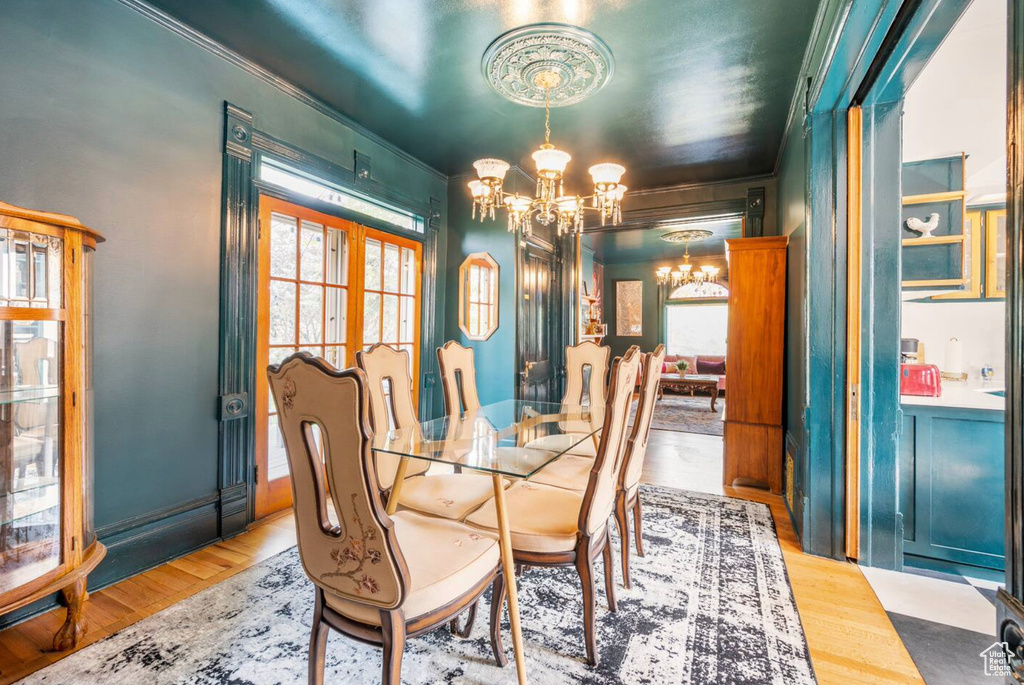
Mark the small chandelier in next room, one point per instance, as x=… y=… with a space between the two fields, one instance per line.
x=532 y=65
x=685 y=272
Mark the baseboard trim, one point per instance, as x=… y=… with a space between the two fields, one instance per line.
x=140 y=543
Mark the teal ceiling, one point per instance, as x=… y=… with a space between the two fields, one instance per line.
x=645 y=244
x=700 y=92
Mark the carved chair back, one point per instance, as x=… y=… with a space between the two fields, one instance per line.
x=636 y=445
x=458 y=378
x=586 y=369
x=324 y=418
x=391 y=403
x=599 y=500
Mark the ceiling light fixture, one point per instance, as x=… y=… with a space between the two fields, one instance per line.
x=531 y=65
x=685 y=273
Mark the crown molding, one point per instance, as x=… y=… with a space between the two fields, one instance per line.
x=288 y=88
x=802 y=92
x=744 y=180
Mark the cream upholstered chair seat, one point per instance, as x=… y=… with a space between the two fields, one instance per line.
x=541 y=518
x=569 y=472
x=575 y=443
x=448 y=495
x=444 y=558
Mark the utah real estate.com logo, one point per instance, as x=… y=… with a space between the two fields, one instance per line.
x=996 y=659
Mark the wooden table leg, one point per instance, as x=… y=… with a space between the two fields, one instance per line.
x=396 y=487
x=508 y=568
x=714 y=398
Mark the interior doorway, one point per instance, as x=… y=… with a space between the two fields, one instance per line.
x=329 y=287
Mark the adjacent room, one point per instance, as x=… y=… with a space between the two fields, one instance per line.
x=545 y=341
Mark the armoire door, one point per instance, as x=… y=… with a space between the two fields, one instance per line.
x=536 y=326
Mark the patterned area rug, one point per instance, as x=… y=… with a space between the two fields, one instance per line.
x=711 y=603
x=686 y=414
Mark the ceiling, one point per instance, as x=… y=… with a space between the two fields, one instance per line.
x=645 y=244
x=701 y=89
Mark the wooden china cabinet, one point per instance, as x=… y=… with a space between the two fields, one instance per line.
x=47 y=542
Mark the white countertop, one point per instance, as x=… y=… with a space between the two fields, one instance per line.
x=963 y=395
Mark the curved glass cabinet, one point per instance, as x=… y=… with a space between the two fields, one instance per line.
x=47 y=542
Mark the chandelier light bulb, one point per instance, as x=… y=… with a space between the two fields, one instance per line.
x=606 y=175
x=478 y=190
x=551 y=162
x=685 y=268
x=491 y=171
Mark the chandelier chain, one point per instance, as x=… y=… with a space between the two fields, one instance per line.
x=547 y=116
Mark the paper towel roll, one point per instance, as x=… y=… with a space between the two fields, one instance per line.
x=954 y=356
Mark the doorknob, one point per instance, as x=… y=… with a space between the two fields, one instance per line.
x=525 y=373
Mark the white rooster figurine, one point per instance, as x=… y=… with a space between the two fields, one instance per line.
x=925 y=228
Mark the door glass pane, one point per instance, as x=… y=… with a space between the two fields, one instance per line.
x=406 y=332
x=371 y=319
x=277 y=458
x=282 y=246
x=30 y=417
x=391 y=268
x=337 y=257
x=282 y=313
x=474 y=319
x=336 y=315
x=409 y=349
x=20 y=282
x=336 y=356
x=474 y=283
x=311 y=313
x=312 y=256
x=276 y=356
x=408 y=271
x=372 y=269
x=390 y=320
x=39 y=263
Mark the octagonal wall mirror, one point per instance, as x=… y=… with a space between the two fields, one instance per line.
x=478 y=296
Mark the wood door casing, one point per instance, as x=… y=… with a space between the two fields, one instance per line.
x=340 y=282
x=536 y=325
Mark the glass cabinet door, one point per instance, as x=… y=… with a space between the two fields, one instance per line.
x=30 y=407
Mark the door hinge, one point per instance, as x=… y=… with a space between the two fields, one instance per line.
x=855 y=401
x=259 y=228
x=256 y=473
x=899 y=422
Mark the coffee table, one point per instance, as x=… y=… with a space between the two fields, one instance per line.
x=688 y=382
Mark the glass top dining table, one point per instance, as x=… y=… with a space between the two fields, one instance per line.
x=513 y=438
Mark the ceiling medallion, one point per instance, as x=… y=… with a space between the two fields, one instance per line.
x=561 y=63
x=690 y=235
x=685 y=274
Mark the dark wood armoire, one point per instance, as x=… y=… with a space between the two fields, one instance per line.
x=754 y=361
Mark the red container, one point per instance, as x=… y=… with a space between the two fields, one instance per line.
x=923 y=380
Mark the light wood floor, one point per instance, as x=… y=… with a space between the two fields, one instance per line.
x=850 y=637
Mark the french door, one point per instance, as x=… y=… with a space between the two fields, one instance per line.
x=329 y=287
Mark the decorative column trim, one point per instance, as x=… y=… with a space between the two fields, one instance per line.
x=429 y=339
x=754 y=213
x=237 y=325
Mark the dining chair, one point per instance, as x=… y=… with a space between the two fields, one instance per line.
x=458 y=378
x=586 y=370
x=446 y=495
x=378 y=579
x=553 y=526
x=627 y=496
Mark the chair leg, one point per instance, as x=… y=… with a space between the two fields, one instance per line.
x=392 y=625
x=622 y=522
x=638 y=528
x=466 y=630
x=497 y=609
x=585 y=567
x=609 y=574
x=318 y=642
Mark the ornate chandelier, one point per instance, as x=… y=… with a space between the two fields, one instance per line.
x=685 y=273
x=551 y=205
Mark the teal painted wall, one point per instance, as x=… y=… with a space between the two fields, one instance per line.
x=792 y=205
x=495 y=357
x=644 y=271
x=108 y=116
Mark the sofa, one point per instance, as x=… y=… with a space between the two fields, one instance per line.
x=703 y=364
